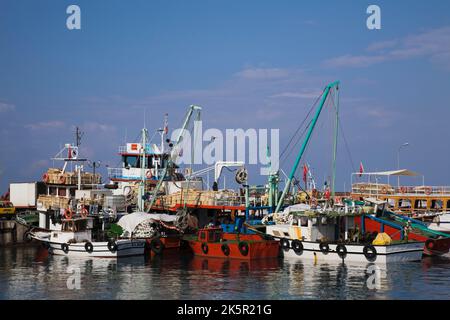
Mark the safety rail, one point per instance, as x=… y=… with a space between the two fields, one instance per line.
x=378 y=189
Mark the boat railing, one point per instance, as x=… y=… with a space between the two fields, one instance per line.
x=122 y=149
x=381 y=189
x=115 y=173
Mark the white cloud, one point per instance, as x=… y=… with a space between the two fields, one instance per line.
x=5 y=107
x=55 y=124
x=263 y=73
x=298 y=95
x=433 y=44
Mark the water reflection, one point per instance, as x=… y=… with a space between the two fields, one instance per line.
x=30 y=273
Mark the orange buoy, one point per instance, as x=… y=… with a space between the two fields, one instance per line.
x=84 y=212
x=68 y=214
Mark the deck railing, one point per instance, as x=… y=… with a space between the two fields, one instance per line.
x=377 y=189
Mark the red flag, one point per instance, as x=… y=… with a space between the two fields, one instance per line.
x=361 y=169
x=166 y=124
x=305 y=172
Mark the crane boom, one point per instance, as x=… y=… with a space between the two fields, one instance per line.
x=305 y=143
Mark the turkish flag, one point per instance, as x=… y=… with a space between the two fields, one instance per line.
x=361 y=169
x=305 y=172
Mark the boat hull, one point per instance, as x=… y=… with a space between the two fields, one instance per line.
x=257 y=247
x=355 y=253
x=125 y=248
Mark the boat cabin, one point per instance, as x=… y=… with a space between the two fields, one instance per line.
x=210 y=234
x=73 y=230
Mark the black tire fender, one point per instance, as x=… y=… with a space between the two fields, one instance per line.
x=243 y=248
x=370 y=252
x=297 y=246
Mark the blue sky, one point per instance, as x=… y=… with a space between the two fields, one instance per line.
x=249 y=64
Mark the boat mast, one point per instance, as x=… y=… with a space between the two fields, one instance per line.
x=174 y=152
x=336 y=130
x=143 y=166
x=305 y=143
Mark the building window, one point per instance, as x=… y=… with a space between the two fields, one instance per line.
x=420 y=204
x=437 y=204
x=404 y=204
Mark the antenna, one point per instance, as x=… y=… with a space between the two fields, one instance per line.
x=78 y=135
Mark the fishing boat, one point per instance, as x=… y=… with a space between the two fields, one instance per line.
x=75 y=239
x=429 y=204
x=333 y=235
x=212 y=242
x=320 y=231
x=423 y=209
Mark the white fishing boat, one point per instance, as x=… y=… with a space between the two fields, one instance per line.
x=75 y=239
x=319 y=238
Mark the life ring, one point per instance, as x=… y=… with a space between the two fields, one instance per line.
x=428 y=190
x=45 y=177
x=225 y=249
x=84 y=212
x=65 y=247
x=149 y=174
x=205 y=248
x=285 y=243
x=341 y=250
x=370 y=252
x=324 y=247
x=297 y=246
x=68 y=214
x=243 y=248
x=62 y=179
x=337 y=200
x=362 y=188
x=89 y=247
x=384 y=189
x=429 y=244
x=403 y=189
x=157 y=246
x=112 y=246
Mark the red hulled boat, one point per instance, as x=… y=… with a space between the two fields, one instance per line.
x=213 y=242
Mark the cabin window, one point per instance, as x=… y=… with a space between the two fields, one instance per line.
x=303 y=222
x=448 y=204
x=404 y=204
x=130 y=161
x=72 y=192
x=62 y=192
x=420 y=204
x=202 y=236
x=52 y=191
x=437 y=204
x=391 y=203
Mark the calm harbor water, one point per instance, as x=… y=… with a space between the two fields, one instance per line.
x=30 y=273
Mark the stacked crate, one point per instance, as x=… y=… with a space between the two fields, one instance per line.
x=198 y=197
x=53 y=202
x=71 y=178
